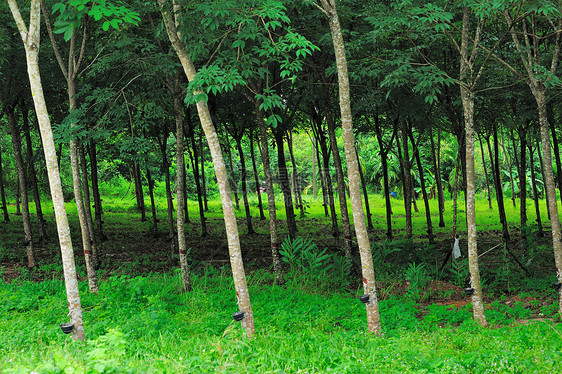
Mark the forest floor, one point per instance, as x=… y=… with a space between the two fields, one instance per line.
x=141 y=322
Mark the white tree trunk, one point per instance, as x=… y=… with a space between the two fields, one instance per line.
x=31 y=43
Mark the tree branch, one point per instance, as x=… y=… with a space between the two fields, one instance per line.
x=53 y=40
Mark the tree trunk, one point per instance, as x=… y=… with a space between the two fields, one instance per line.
x=31 y=42
x=467 y=97
x=555 y=145
x=322 y=179
x=22 y=183
x=139 y=190
x=406 y=179
x=540 y=96
x=522 y=171
x=314 y=176
x=373 y=316
x=203 y=178
x=18 y=196
x=424 y=192
x=231 y=173
x=437 y=171
x=499 y=189
x=328 y=181
x=285 y=186
x=235 y=253
x=169 y=199
x=539 y=151
x=296 y=186
x=486 y=173
x=185 y=205
x=98 y=211
x=152 y=201
x=508 y=158
x=180 y=185
x=32 y=178
x=88 y=208
x=256 y=178
x=386 y=184
x=365 y=196
x=77 y=184
x=534 y=186
x=341 y=187
x=3 y=193
x=194 y=165
x=244 y=187
x=273 y=226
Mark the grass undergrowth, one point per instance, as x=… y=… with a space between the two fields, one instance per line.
x=145 y=324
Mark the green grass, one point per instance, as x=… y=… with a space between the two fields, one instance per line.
x=144 y=324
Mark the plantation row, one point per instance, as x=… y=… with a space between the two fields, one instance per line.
x=166 y=86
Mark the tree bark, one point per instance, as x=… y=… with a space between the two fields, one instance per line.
x=373 y=316
x=534 y=186
x=152 y=201
x=30 y=40
x=169 y=199
x=341 y=186
x=256 y=178
x=77 y=185
x=3 y=193
x=295 y=177
x=88 y=208
x=195 y=166
x=98 y=210
x=244 y=187
x=31 y=173
x=406 y=178
x=22 y=182
x=437 y=172
x=273 y=226
x=424 y=192
x=180 y=186
x=467 y=97
x=540 y=96
x=235 y=252
x=486 y=173
x=365 y=196
x=499 y=190
x=284 y=182
x=522 y=171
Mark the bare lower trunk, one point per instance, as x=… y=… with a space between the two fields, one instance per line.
x=152 y=201
x=540 y=97
x=477 y=297
x=328 y=182
x=88 y=208
x=180 y=187
x=486 y=173
x=22 y=183
x=77 y=184
x=341 y=188
x=285 y=186
x=3 y=193
x=424 y=192
x=235 y=253
x=139 y=191
x=194 y=164
x=546 y=190
x=31 y=43
x=203 y=178
x=372 y=306
x=322 y=180
x=365 y=197
x=534 y=186
x=32 y=177
x=273 y=226
x=406 y=179
x=256 y=179
x=436 y=157
x=522 y=170
x=244 y=188
x=98 y=210
x=499 y=190
x=295 y=176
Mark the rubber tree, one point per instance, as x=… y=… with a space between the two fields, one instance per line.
x=328 y=7
x=171 y=15
x=31 y=41
x=524 y=31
